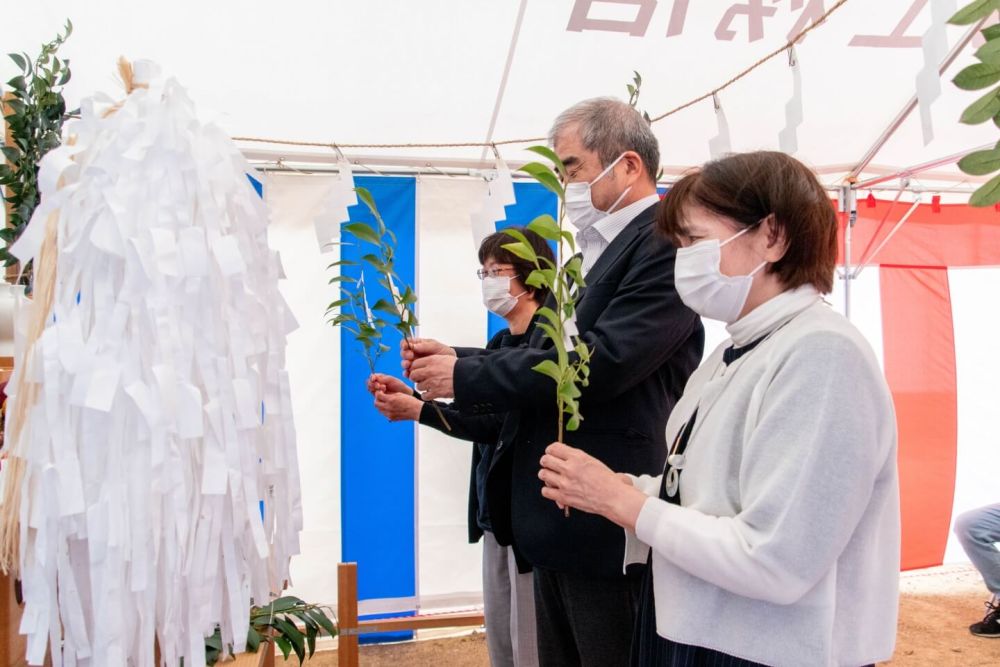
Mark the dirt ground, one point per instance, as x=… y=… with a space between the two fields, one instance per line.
x=935 y=611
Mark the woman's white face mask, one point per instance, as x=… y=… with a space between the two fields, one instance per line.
x=704 y=288
x=497 y=297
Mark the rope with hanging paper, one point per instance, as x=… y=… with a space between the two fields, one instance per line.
x=481 y=144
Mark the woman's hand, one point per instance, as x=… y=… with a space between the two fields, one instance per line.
x=575 y=479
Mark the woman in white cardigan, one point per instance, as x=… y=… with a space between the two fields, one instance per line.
x=775 y=527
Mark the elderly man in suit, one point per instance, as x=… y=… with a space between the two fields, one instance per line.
x=645 y=344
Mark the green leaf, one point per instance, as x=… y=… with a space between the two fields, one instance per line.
x=522 y=250
x=546 y=227
x=366 y=197
x=992 y=32
x=11 y=153
x=549 y=368
x=293 y=634
x=253 y=640
x=375 y=261
x=284 y=645
x=574 y=268
x=18 y=60
x=980 y=163
x=311 y=631
x=573 y=423
x=989 y=52
x=341 y=262
x=541 y=278
x=983 y=109
x=545 y=176
x=548 y=314
x=978 y=76
x=384 y=306
x=18 y=83
x=568 y=391
x=341 y=279
x=283 y=604
x=974 y=11
x=549 y=330
x=549 y=155
x=363 y=231
x=324 y=621
x=987 y=194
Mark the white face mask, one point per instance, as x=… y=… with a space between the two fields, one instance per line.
x=497 y=297
x=702 y=286
x=580 y=206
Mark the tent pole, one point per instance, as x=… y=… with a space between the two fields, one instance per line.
x=864 y=261
x=849 y=206
x=912 y=171
x=912 y=104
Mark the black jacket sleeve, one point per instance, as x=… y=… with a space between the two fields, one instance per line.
x=464 y=426
x=641 y=326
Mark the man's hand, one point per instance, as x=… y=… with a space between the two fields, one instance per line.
x=434 y=376
x=418 y=348
x=398 y=406
x=387 y=384
x=576 y=479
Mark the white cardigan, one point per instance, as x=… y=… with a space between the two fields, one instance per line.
x=786 y=548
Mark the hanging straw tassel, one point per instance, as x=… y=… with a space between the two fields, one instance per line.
x=26 y=392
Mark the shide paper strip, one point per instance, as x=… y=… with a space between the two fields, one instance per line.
x=157 y=406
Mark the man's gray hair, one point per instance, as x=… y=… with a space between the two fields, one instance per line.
x=609 y=127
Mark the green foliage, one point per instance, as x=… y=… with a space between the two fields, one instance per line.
x=633 y=100
x=571 y=369
x=974 y=11
x=291 y=623
x=367 y=322
x=633 y=93
x=37 y=111
x=981 y=75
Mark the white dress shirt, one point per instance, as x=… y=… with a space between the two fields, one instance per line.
x=594 y=239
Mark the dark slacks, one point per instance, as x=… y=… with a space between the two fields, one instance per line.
x=585 y=621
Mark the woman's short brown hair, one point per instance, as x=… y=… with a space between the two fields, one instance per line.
x=748 y=187
x=492 y=247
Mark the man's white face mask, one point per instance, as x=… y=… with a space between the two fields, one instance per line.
x=580 y=207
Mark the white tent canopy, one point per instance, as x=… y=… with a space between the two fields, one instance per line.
x=455 y=71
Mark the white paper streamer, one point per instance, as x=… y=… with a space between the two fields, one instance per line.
x=935 y=48
x=499 y=194
x=338 y=199
x=720 y=144
x=163 y=414
x=788 y=138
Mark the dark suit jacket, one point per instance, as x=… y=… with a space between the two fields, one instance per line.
x=482 y=430
x=645 y=344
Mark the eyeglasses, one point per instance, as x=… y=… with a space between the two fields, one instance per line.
x=492 y=273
